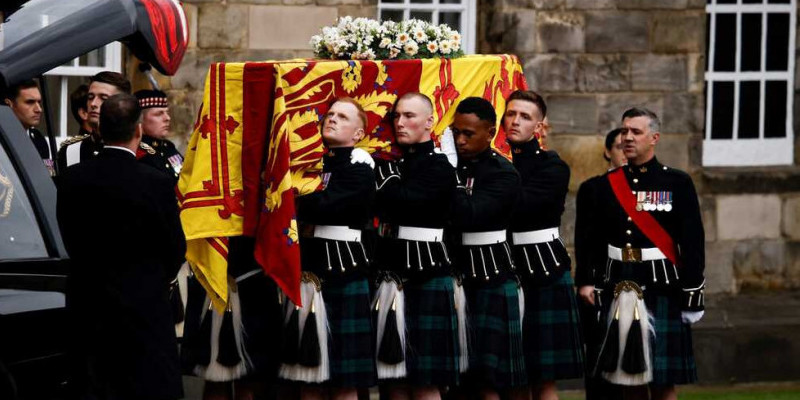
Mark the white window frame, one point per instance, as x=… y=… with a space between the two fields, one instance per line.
x=759 y=151
x=466 y=7
x=112 y=62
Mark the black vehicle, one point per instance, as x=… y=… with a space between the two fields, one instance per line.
x=33 y=261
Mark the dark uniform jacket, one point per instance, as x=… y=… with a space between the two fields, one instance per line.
x=420 y=198
x=40 y=142
x=162 y=155
x=88 y=147
x=346 y=200
x=117 y=293
x=682 y=222
x=587 y=240
x=488 y=186
x=545 y=181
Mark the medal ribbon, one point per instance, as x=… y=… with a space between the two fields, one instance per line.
x=643 y=220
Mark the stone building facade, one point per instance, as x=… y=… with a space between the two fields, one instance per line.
x=591 y=59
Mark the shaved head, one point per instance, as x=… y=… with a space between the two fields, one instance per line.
x=419 y=96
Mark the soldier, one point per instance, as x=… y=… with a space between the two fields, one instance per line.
x=25 y=101
x=329 y=340
x=586 y=237
x=648 y=216
x=414 y=198
x=101 y=86
x=156 y=150
x=78 y=100
x=551 y=330
x=482 y=209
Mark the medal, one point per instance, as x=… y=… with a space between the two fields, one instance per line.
x=660 y=201
x=470 y=184
x=639 y=207
x=668 y=206
x=326 y=177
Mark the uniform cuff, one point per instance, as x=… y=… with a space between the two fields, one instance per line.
x=693 y=299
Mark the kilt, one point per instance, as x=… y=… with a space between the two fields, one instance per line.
x=352 y=338
x=551 y=332
x=673 y=356
x=432 y=325
x=497 y=359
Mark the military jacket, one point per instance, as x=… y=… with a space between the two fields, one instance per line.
x=487 y=191
x=587 y=240
x=76 y=149
x=346 y=200
x=544 y=184
x=422 y=198
x=162 y=155
x=669 y=196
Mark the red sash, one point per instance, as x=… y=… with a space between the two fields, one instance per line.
x=643 y=220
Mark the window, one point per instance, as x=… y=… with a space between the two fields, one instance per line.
x=20 y=237
x=458 y=14
x=63 y=80
x=749 y=82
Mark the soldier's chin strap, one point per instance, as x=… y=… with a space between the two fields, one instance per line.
x=643 y=220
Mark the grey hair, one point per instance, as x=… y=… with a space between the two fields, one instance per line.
x=655 y=123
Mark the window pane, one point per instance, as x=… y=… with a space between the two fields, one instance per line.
x=777 y=42
x=775 y=110
x=452 y=19
x=753 y=1
x=392 y=15
x=451 y=2
x=422 y=15
x=391 y=1
x=726 y=1
x=53 y=103
x=708 y=37
x=779 y=1
x=422 y=1
x=20 y=237
x=751 y=42
x=722 y=111
x=94 y=58
x=725 y=46
x=749 y=101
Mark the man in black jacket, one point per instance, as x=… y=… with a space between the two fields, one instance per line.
x=123 y=339
x=486 y=193
x=25 y=101
x=551 y=332
x=413 y=201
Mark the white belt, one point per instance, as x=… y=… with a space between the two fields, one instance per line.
x=483 y=238
x=534 y=237
x=420 y=234
x=333 y=232
x=651 y=254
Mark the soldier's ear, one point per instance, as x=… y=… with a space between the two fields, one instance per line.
x=656 y=137
x=429 y=122
x=7 y=102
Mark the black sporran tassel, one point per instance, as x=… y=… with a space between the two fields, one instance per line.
x=633 y=361
x=177 y=303
x=204 y=339
x=291 y=333
x=610 y=355
x=391 y=349
x=228 y=350
x=310 y=353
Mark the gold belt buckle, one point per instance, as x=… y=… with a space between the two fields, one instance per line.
x=631 y=255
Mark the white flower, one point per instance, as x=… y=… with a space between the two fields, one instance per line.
x=456 y=37
x=393 y=52
x=403 y=37
x=445 y=47
x=419 y=35
x=411 y=48
x=385 y=42
x=433 y=47
x=455 y=45
x=368 y=55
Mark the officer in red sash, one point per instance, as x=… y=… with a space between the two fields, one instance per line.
x=652 y=283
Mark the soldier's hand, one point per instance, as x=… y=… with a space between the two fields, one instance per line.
x=360 y=156
x=586 y=294
x=448 y=146
x=386 y=171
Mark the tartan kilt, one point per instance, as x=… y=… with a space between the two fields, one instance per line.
x=672 y=352
x=497 y=359
x=352 y=337
x=551 y=332
x=432 y=354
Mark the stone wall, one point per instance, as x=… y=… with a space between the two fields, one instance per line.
x=591 y=59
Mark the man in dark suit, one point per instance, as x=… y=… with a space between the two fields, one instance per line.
x=123 y=336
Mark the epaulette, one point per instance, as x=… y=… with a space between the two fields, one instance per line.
x=146 y=147
x=73 y=140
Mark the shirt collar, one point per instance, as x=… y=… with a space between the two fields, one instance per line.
x=121 y=148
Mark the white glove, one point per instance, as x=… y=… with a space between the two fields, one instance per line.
x=448 y=145
x=360 y=156
x=691 y=317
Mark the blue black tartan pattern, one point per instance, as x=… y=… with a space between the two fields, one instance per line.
x=551 y=332
x=432 y=325
x=496 y=353
x=673 y=355
x=352 y=343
